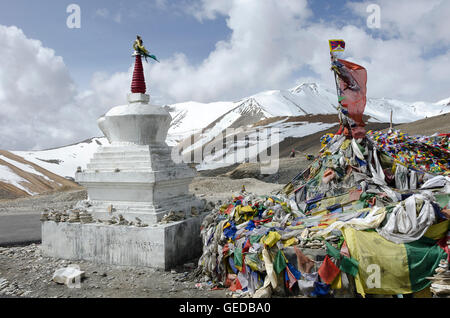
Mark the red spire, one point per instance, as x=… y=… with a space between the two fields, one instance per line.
x=138 y=83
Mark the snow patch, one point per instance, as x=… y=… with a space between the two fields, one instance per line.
x=7 y=175
x=24 y=167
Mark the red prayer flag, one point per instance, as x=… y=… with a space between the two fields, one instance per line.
x=229 y=209
x=353 y=88
x=235 y=285
x=246 y=246
x=292 y=278
x=328 y=271
x=344 y=249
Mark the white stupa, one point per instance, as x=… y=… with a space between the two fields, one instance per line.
x=132 y=179
x=135 y=176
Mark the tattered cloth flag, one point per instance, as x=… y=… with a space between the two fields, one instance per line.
x=293 y=275
x=389 y=269
x=279 y=263
x=328 y=271
x=352 y=80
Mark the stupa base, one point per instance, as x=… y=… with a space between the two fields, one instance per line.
x=160 y=246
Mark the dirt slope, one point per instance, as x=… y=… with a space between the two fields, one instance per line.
x=428 y=126
x=34 y=183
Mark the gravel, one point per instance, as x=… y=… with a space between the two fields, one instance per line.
x=24 y=272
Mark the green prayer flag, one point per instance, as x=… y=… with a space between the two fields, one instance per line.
x=332 y=251
x=349 y=265
x=443 y=199
x=424 y=256
x=404 y=267
x=279 y=264
x=238 y=256
x=255 y=238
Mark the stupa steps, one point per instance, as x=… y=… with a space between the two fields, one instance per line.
x=121 y=148
x=120 y=160
x=124 y=209
x=131 y=165
x=121 y=155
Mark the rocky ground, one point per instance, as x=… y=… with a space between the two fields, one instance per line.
x=287 y=169
x=25 y=272
x=36 y=204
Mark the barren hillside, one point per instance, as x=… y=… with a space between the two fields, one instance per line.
x=21 y=178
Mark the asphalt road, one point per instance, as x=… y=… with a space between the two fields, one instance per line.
x=19 y=228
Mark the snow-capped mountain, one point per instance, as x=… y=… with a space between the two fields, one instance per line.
x=296 y=112
x=305 y=99
x=403 y=112
x=191 y=117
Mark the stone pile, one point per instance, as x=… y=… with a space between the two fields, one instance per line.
x=440 y=282
x=74 y=216
x=120 y=220
x=85 y=217
x=71 y=216
x=308 y=239
x=139 y=223
x=82 y=216
x=440 y=286
x=79 y=214
x=44 y=215
x=173 y=216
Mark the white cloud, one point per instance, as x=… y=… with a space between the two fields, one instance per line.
x=261 y=53
x=39 y=106
x=274 y=41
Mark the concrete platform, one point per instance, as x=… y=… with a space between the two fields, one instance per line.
x=160 y=246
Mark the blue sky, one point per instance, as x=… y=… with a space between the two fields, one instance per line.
x=103 y=43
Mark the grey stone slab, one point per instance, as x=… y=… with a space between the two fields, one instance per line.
x=162 y=246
